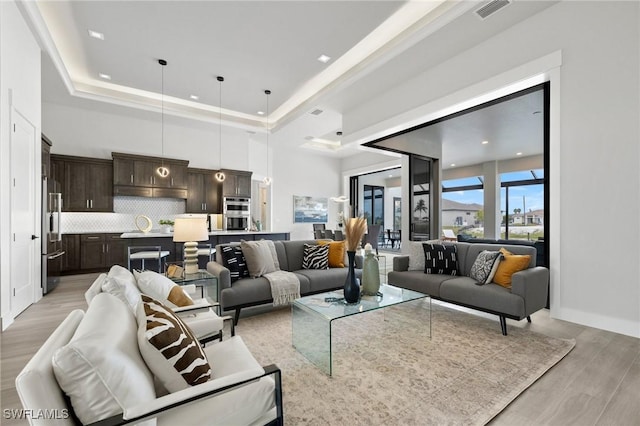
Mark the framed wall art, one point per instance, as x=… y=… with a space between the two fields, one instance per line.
x=310 y=209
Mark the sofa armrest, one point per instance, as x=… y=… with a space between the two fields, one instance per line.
x=200 y=306
x=401 y=263
x=532 y=285
x=212 y=388
x=222 y=273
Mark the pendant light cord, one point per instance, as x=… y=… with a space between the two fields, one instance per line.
x=220 y=176
x=267 y=180
x=162 y=113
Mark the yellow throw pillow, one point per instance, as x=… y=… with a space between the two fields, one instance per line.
x=509 y=265
x=336 y=253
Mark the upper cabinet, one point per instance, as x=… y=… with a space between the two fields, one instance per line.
x=203 y=191
x=137 y=175
x=86 y=183
x=236 y=184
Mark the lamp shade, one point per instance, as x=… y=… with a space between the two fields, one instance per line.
x=187 y=229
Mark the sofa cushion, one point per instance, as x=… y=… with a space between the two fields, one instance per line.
x=162 y=288
x=509 y=265
x=440 y=259
x=169 y=347
x=101 y=369
x=416 y=256
x=295 y=251
x=127 y=293
x=234 y=261
x=490 y=296
x=485 y=266
x=337 y=252
x=261 y=257
x=419 y=281
x=326 y=279
x=315 y=256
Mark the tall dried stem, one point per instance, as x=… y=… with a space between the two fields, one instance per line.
x=354 y=230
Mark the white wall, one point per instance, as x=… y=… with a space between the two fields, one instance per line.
x=595 y=155
x=297 y=172
x=20 y=87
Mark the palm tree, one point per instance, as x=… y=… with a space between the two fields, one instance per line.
x=421 y=206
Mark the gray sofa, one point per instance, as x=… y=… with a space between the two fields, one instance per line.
x=247 y=292
x=527 y=295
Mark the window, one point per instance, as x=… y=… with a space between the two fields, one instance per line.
x=522 y=205
x=462 y=206
x=373 y=207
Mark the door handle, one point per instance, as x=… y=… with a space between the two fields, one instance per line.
x=33 y=237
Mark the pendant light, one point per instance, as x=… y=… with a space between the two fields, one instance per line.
x=162 y=171
x=267 y=179
x=220 y=174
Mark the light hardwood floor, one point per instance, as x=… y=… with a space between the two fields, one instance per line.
x=598 y=382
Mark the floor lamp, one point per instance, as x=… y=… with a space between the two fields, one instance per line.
x=189 y=230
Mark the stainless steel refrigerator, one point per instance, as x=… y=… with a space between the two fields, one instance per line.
x=52 y=252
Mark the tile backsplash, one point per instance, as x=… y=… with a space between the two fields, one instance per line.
x=123 y=219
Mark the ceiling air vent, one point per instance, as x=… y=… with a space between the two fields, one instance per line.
x=492 y=7
x=316 y=112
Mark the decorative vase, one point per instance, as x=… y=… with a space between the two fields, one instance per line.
x=351 y=287
x=370 y=274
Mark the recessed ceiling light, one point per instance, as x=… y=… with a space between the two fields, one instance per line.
x=194 y=97
x=260 y=112
x=453 y=164
x=390 y=175
x=324 y=58
x=96 y=34
x=104 y=76
x=485 y=142
x=518 y=153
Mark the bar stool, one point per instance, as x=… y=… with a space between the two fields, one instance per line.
x=143 y=253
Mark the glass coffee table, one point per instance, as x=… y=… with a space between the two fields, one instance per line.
x=313 y=316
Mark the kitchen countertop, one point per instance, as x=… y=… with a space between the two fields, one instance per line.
x=139 y=234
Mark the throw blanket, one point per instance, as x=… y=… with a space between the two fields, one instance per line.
x=285 y=287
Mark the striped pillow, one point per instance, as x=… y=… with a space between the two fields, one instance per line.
x=169 y=348
x=233 y=259
x=315 y=257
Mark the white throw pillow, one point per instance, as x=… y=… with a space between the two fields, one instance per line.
x=123 y=290
x=162 y=288
x=122 y=274
x=101 y=369
x=169 y=347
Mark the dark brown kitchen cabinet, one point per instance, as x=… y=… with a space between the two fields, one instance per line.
x=136 y=175
x=56 y=173
x=236 y=184
x=101 y=251
x=86 y=183
x=71 y=247
x=203 y=191
x=46 y=157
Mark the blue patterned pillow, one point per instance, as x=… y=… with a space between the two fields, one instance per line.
x=233 y=260
x=315 y=257
x=440 y=259
x=485 y=266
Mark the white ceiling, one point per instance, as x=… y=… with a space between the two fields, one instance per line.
x=258 y=45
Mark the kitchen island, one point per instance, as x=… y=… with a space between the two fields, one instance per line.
x=97 y=252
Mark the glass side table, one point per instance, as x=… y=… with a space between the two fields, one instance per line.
x=207 y=283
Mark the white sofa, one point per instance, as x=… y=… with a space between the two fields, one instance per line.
x=110 y=373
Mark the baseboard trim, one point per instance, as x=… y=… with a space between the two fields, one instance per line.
x=615 y=325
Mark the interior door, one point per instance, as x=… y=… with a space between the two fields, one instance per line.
x=24 y=248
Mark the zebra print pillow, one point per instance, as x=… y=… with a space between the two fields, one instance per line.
x=168 y=347
x=315 y=257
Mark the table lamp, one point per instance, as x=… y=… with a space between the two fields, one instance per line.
x=189 y=230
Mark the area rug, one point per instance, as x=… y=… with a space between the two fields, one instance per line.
x=387 y=370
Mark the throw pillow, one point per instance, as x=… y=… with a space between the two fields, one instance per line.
x=259 y=257
x=336 y=253
x=234 y=261
x=169 y=348
x=101 y=369
x=160 y=287
x=315 y=256
x=440 y=259
x=509 y=265
x=485 y=266
x=416 y=256
x=123 y=290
